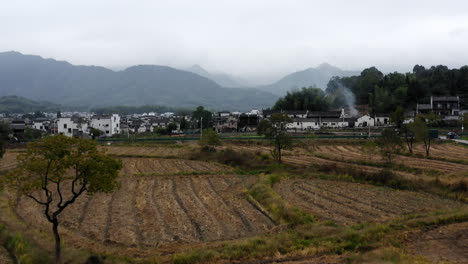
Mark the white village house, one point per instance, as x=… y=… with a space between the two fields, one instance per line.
x=364 y=121
x=108 y=124
x=72 y=126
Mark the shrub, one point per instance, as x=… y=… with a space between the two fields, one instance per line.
x=209 y=140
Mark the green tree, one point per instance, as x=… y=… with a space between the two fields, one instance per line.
x=209 y=139
x=170 y=127
x=408 y=132
x=312 y=99
x=389 y=144
x=96 y=133
x=275 y=130
x=5 y=131
x=57 y=170
x=422 y=134
x=183 y=123
x=398 y=116
x=203 y=116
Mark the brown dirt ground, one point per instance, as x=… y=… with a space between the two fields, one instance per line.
x=154 y=166
x=153 y=151
x=446 y=244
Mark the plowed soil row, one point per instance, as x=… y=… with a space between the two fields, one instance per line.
x=447 y=151
x=350 y=203
x=167 y=166
x=312 y=160
x=355 y=153
x=156 y=151
x=148 y=212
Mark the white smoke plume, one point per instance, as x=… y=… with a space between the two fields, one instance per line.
x=350 y=100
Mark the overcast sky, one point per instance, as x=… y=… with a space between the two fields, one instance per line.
x=255 y=39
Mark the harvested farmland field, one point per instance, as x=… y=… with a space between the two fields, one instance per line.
x=156 y=212
x=152 y=151
x=355 y=153
x=153 y=166
x=351 y=203
x=179 y=205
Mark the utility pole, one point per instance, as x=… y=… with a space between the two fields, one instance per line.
x=369 y=124
x=462 y=127
x=201 y=126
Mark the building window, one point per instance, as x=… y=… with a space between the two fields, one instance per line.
x=332 y=124
x=297 y=123
x=107 y=131
x=64 y=126
x=69 y=130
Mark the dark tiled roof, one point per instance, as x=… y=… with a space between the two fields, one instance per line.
x=445 y=98
x=324 y=114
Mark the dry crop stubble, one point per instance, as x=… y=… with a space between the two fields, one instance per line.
x=152 y=212
x=350 y=203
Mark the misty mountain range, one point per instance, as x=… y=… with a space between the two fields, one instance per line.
x=60 y=82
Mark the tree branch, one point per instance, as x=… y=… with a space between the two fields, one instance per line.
x=35 y=199
x=72 y=200
x=59 y=193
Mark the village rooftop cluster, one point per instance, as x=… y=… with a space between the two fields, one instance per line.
x=89 y=125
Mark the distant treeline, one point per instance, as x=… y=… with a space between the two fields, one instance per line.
x=381 y=92
x=16 y=104
x=384 y=93
x=126 y=110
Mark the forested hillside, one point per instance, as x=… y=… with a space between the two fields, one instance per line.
x=381 y=92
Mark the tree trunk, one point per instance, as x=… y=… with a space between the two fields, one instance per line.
x=279 y=154
x=58 y=250
x=427 y=145
x=410 y=145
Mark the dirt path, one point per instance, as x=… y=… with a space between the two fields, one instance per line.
x=4 y=256
x=444 y=244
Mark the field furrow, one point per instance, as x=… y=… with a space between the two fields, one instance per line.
x=211 y=229
x=122 y=229
x=96 y=219
x=221 y=210
x=181 y=224
x=348 y=203
x=353 y=204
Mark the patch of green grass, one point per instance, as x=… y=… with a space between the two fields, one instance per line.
x=20 y=249
x=282 y=211
x=193 y=257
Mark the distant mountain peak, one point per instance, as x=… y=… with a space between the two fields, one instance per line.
x=220 y=78
x=317 y=77
x=38 y=79
x=326 y=66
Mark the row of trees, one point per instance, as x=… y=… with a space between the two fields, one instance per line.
x=384 y=92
